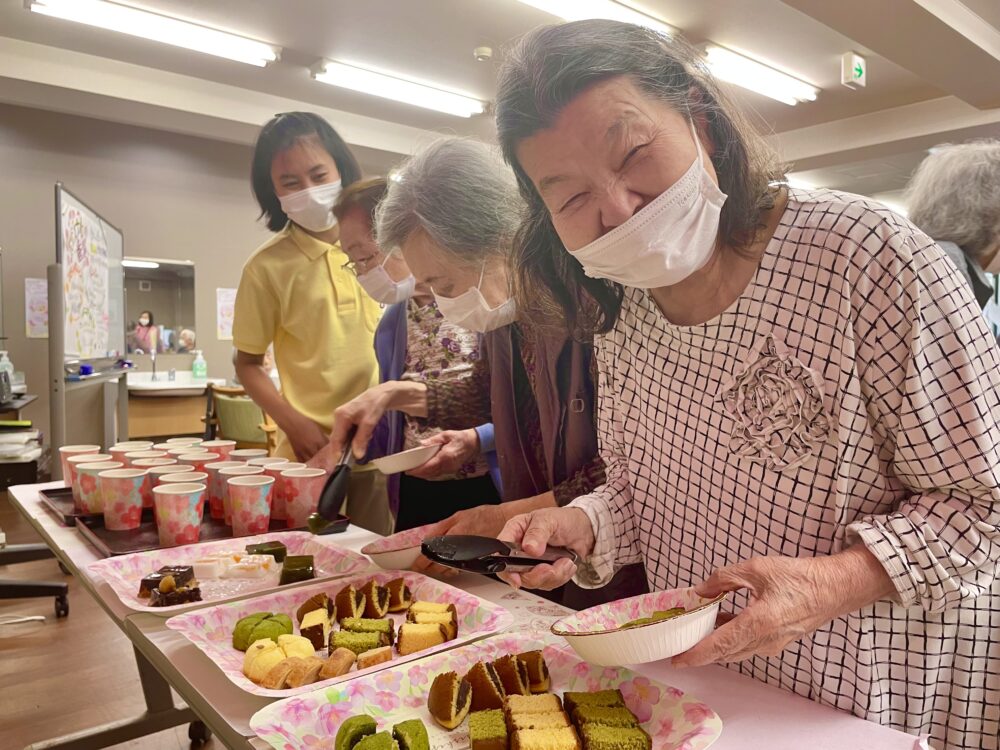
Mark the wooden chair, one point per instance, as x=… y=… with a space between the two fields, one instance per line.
x=231 y=415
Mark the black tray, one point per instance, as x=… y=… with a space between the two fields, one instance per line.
x=146 y=538
x=60 y=501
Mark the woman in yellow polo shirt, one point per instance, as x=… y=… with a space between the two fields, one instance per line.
x=296 y=293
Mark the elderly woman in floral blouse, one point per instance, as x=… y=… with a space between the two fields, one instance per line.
x=798 y=397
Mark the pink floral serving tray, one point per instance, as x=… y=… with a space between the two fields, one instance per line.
x=675 y=720
x=211 y=629
x=124 y=572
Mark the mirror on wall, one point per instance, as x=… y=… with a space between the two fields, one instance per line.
x=159 y=306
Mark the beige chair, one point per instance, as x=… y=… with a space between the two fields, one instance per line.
x=232 y=415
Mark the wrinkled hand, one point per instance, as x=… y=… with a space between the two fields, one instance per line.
x=458 y=447
x=790 y=597
x=486 y=520
x=307 y=438
x=557 y=527
x=362 y=412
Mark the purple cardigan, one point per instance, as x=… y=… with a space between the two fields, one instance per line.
x=390 y=351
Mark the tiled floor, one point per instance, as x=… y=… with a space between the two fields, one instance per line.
x=65 y=675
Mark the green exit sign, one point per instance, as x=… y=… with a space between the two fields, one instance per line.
x=853 y=70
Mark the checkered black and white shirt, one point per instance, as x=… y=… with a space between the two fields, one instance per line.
x=850 y=395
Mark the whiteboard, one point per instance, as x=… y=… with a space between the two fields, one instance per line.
x=90 y=251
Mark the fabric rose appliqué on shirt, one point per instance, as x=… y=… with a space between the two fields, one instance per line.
x=777 y=403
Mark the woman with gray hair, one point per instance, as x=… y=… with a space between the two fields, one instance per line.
x=799 y=402
x=954 y=196
x=452 y=210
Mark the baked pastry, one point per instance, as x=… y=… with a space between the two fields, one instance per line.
x=533 y=704
x=430 y=607
x=353 y=730
x=296 y=568
x=377 y=741
x=411 y=735
x=339 y=663
x=539 y=679
x=548 y=720
x=296 y=645
x=316 y=627
x=357 y=642
x=607 y=716
x=560 y=738
x=277 y=677
x=305 y=671
x=376 y=600
x=413 y=637
x=257 y=626
x=350 y=603
x=487 y=730
x=261 y=656
x=400 y=596
x=374 y=656
x=596 y=698
x=487 y=692
x=316 y=601
x=449 y=699
x=447 y=619
x=277 y=550
x=367 y=625
x=513 y=675
x=598 y=737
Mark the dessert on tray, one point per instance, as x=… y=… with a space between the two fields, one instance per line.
x=361 y=733
x=258 y=626
x=449 y=699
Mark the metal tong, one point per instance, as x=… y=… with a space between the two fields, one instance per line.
x=483 y=554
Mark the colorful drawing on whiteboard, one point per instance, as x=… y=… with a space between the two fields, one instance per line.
x=85 y=284
x=225 y=302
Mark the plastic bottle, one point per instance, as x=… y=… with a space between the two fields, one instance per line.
x=6 y=365
x=199 y=368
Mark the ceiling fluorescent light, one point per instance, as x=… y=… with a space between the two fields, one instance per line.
x=127 y=263
x=405 y=90
x=579 y=10
x=733 y=67
x=141 y=23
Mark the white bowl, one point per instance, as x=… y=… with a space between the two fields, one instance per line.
x=596 y=634
x=406 y=460
x=399 y=551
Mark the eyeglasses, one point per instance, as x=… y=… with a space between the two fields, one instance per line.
x=358 y=267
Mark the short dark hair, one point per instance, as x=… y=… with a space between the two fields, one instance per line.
x=365 y=195
x=281 y=132
x=547 y=69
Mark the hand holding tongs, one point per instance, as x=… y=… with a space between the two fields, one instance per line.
x=483 y=554
x=331 y=499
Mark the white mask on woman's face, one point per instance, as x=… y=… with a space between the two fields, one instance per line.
x=144 y=321
x=312 y=208
x=381 y=287
x=471 y=311
x=665 y=242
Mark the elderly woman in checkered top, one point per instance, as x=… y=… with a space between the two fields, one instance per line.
x=799 y=398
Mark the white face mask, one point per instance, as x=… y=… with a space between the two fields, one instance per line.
x=144 y=321
x=381 y=288
x=312 y=208
x=666 y=241
x=471 y=311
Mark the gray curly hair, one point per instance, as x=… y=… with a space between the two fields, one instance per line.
x=461 y=193
x=954 y=195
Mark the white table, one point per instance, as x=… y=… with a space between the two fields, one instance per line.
x=754 y=715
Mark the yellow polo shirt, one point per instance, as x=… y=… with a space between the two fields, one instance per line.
x=296 y=293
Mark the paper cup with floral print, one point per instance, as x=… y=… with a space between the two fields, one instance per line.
x=198 y=460
x=69 y=464
x=132 y=456
x=222 y=448
x=121 y=491
x=302 y=489
x=185 y=477
x=278 y=495
x=88 y=476
x=146 y=464
x=74 y=450
x=245 y=454
x=224 y=476
x=179 y=441
x=118 y=450
x=250 y=497
x=179 y=508
x=215 y=485
x=155 y=472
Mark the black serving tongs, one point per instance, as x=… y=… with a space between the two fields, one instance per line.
x=331 y=499
x=484 y=554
